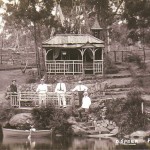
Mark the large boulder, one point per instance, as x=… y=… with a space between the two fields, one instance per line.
x=77 y=130
x=115 y=131
x=71 y=120
x=21 y=121
x=138 y=134
x=102 y=130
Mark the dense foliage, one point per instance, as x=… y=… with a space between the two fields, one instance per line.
x=135 y=58
x=127 y=113
x=51 y=118
x=109 y=66
x=6 y=111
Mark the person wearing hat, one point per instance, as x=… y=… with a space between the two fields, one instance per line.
x=13 y=87
x=61 y=90
x=86 y=102
x=80 y=88
x=42 y=91
x=13 y=91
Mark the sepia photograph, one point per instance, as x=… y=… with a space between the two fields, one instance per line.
x=74 y=74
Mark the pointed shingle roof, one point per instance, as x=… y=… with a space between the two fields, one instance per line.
x=96 y=25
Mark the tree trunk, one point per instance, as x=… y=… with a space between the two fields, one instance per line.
x=37 y=52
x=41 y=52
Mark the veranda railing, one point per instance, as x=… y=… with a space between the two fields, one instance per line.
x=64 y=66
x=31 y=99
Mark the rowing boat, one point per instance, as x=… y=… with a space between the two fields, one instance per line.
x=25 y=133
x=100 y=135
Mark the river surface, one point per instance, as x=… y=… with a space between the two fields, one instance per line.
x=67 y=143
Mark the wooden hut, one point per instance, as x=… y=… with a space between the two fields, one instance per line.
x=73 y=54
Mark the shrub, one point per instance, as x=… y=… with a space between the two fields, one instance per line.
x=51 y=118
x=138 y=81
x=133 y=58
x=109 y=66
x=127 y=113
x=6 y=111
x=32 y=76
x=136 y=59
x=135 y=119
x=30 y=80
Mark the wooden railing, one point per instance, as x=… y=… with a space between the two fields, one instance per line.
x=65 y=67
x=98 y=66
x=30 y=99
x=72 y=66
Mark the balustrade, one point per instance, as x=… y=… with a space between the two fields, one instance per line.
x=30 y=99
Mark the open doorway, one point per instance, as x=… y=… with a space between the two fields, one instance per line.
x=88 y=62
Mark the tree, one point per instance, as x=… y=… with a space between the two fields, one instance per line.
x=32 y=14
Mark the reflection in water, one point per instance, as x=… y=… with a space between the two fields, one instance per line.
x=64 y=143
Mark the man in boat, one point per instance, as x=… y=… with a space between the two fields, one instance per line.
x=80 y=88
x=42 y=91
x=86 y=102
x=61 y=90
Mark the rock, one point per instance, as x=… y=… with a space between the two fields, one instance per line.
x=93 y=132
x=93 y=106
x=71 y=120
x=138 y=134
x=99 y=122
x=148 y=133
x=21 y=120
x=107 y=121
x=114 y=124
x=103 y=130
x=110 y=127
x=78 y=130
x=110 y=122
x=127 y=136
x=69 y=110
x=91 y=128
x=104 y=124
x=115 y=131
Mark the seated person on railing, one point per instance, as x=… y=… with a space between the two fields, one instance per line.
x=86 y=102
x=61 y=90
x=42 y=91
x=81 y=89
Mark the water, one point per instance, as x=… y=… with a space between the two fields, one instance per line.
x=66 y=143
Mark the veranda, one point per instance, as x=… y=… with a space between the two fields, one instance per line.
x=73 y=54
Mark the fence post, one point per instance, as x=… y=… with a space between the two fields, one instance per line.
x=115 y=55
x=19 y=98
x=142 y=107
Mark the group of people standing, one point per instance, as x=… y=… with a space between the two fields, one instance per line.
x=60 y=90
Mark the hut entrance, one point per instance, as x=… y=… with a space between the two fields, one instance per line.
x=88 y=62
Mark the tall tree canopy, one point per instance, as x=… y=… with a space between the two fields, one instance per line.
x=32 y=14
x=137 y=13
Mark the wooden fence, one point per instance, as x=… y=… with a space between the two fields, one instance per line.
x=14 y=58
x=30 y=99
x=121 y=55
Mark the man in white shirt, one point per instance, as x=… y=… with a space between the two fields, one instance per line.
x=61 y=90
x=86 y=102
x=81 y=89
x=42 y=91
